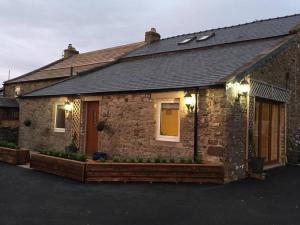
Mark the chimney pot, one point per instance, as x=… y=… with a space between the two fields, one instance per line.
x=152 y=36
x=70 y=51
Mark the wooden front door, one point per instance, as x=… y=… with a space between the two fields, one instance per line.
x=267 y=124
x=92 y=116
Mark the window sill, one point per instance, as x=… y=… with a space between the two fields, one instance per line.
x=172 y=144
x=59 y=130
x=168 y=139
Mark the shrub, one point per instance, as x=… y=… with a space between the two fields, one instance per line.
x=172 y=160
x=164 y=161
x=148 y=161
x=8 y=144
x=189 y=160
x=116 y=159
x=182 y=160
x=157 y=160
x=198 y=160
x=59 y=154
x=132 y=160
x=140 y=160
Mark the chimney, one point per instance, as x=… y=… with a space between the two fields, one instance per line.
x=152 y=36
x=70 y=51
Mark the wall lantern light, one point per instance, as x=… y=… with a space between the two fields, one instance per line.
x=68 y=106
x=243 y=88
x=189 y=100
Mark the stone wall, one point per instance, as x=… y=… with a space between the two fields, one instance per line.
x=41 y=133
x=9 y=89
x=132 y=128
x=284 y=71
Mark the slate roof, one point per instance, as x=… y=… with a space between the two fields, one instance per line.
x=196 y=64
x=80 y=62
x=8 y=103
x=249 y=31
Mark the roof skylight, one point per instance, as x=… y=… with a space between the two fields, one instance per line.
x=187 y=40
x=205 y=37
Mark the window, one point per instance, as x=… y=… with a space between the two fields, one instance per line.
x=187 y=40
x=205 y=37
x=17 y=91
x=168 y=121
x=59 y=123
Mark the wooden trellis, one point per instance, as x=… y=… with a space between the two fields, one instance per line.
x=76 y=121
x=268 y=91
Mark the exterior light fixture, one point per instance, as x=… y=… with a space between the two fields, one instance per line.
x=68 y=106
x=244 y=87
x=189 y=100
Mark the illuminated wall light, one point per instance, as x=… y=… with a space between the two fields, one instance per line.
x=189 y=100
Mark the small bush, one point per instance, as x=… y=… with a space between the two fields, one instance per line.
x=140 y=160
x=59 y=154
x=116 y=159
x=182 y=160
x=148 y=161
x=163 y=161
x=132 y=160
x=189 y=161
x=198 y=160
x=7 y=144
x=157 y=160
x=172 y=160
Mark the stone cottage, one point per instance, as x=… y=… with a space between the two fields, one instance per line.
x=69 y=65
x=223 y=95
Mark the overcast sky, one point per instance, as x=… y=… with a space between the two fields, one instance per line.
x=35 y=32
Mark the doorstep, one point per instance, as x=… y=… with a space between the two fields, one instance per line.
x=273 y=166
x=25 y=166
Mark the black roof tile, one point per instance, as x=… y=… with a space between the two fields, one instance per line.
x=185 y=69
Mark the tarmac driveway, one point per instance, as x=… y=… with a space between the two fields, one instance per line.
x=28 y=197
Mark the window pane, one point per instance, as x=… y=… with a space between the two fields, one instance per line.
x=169 y=119
x=60 y=117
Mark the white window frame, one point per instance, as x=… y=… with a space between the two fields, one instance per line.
x=160 y=137
x=55 y=114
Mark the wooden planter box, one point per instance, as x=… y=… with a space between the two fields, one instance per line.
x=154 y=172
x=58 y=166
x=14 y=156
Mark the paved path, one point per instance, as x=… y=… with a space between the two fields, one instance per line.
x=28 y=197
